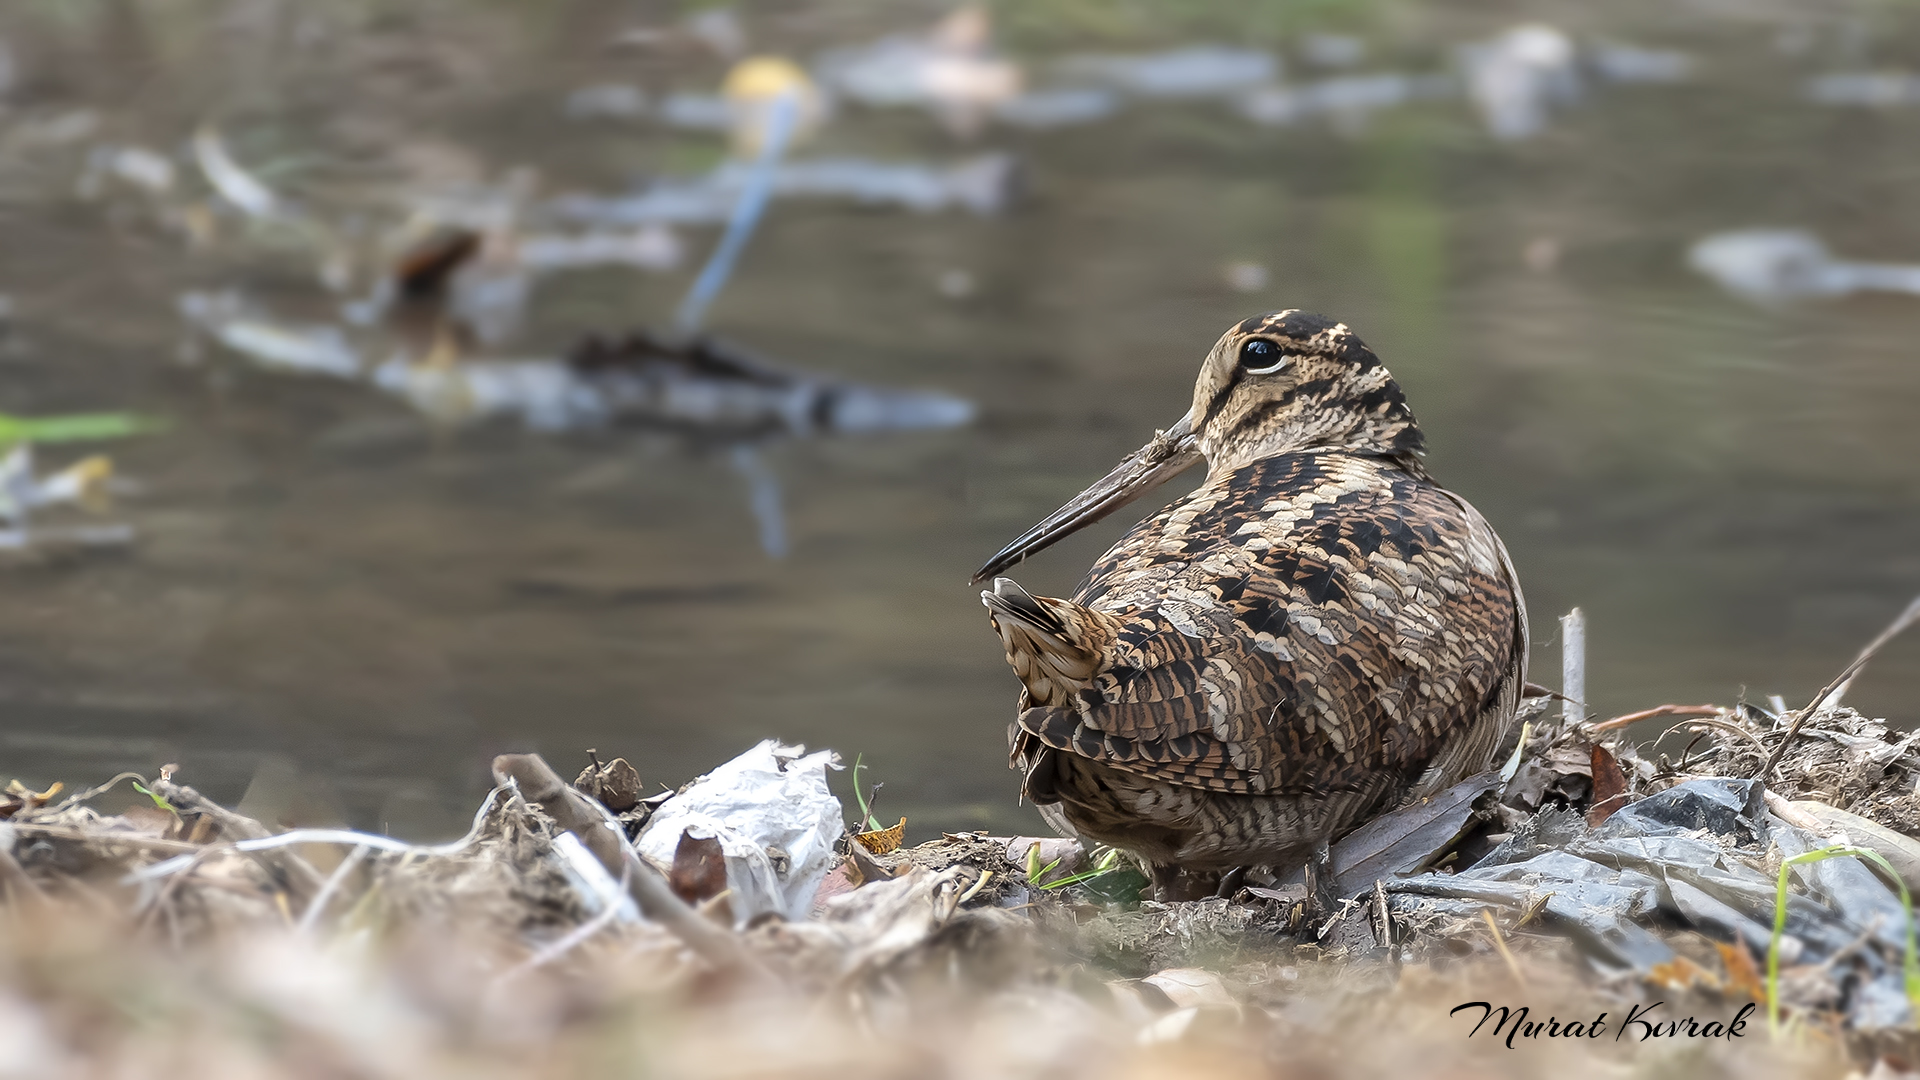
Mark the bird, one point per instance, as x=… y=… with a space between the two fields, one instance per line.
x=1317 y=634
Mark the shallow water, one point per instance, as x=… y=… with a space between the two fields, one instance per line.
x=331 y=590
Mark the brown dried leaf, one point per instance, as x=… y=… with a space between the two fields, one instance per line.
x=616 y=784
x=699 y=868
x=1681 y=973
x=19 y=796
x=1743 y=975
x=883 y=841
x=1609 y=785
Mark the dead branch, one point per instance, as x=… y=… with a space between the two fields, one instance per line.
x=1658 y=710
x=1831 y=693
x=579 y=815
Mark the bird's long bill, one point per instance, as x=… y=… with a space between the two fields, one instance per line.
x=1171 y=452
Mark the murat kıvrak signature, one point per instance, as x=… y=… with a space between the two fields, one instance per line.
x=1641 y=1020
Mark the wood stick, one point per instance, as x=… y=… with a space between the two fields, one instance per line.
x=1657 y=710
x=1830 y=694
x=1573 y=666
x=301 y=876
x=586 y=819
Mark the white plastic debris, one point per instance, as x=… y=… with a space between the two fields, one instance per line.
x=1346 y=101
x=1198 y=71
x=651 y=247
x=23 y=493
x=985 y=185
x=1043 y=109
x=1517 y=77
x=775 y=820
x=1772 y=265
x=1865 y=89
x=316 y=350
x=590 y=880
x=135 y=166
x=1630 y=64
x=235 y=184
x=952 y=70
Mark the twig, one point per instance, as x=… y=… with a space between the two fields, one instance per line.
x=1722 y=725
x=297 y=870
x=318 y=905
x=572 y=940
x=91 y=836
x=1500 y=942
x=1830 y=695
x=1573 y=665
x=1657 y=710
x=319 y=836
x=588 y=820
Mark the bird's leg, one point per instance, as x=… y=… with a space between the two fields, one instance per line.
x=1319 y=878
x=1167 y=886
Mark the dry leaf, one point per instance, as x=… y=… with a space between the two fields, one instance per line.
x=19 y=797
x=883 y=841
x=1681 y=973
x=699 y=868
x=1609 y=785
x=1743 y=976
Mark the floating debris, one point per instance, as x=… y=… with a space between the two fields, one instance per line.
x=320 y=349
x=1517 y=78
x=951 y=71
x=1768 y=266
x=1189 y=73
x=240 y=188
x=1347 y=101
x=984 y=185
x=760 y=87
x=24 y=494
x=713 y=386
x=1045 y=109
x=1245 y=276
x=1864 y=89
x=136 y=166
x=1631 y=65
x=649 y=247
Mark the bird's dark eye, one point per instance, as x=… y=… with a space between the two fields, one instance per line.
x=1262 y=357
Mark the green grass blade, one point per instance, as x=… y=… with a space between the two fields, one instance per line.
x=76 y=427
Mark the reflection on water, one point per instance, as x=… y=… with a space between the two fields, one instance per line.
x=376 y=606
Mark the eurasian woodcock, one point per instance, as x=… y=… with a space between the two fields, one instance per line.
x=1318 y=633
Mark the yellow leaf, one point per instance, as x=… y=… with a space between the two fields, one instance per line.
x=882 y=841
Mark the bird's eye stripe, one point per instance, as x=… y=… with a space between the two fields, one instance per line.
x=1270 y=368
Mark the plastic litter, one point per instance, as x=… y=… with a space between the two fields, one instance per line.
x=1865 y=89
x=984 y=185
x=1518 y=77
x=1766 y=266
x=775 y=820
x=1198 y=71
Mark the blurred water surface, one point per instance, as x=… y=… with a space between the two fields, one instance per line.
x=328 y=585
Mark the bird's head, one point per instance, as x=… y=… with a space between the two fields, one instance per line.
x=1274 y=384
x=1291 y=381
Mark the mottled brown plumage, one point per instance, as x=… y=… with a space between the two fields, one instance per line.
x=1317 y=633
